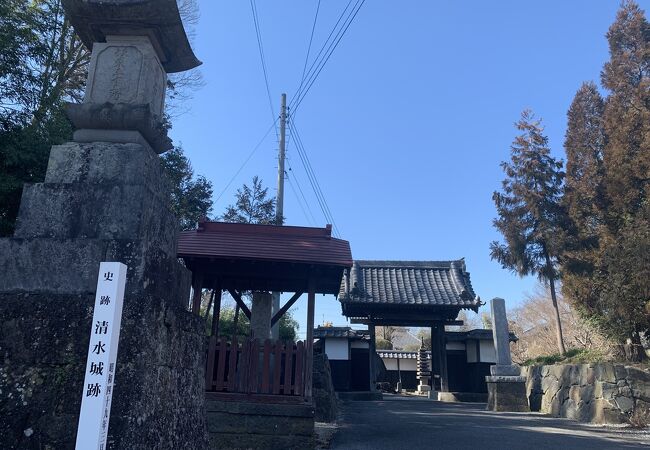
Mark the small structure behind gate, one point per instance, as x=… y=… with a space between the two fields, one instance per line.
x=259 y=391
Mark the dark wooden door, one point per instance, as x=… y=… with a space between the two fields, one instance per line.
x=360 y=370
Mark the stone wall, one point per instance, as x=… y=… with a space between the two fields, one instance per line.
x=597 y=393
x=99 y=202
x=248 y=425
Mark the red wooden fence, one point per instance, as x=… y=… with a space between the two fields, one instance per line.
x=273 y=368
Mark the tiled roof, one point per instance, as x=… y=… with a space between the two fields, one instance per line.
x=425 y=283
x=340 y=332
x=477 y=333
x=402 y=338
x=237 y=241
x=395 y=354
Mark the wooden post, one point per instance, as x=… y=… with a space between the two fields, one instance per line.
x=439 y=355
x=197 y=286
x=309 y=342
x=212 y=343
x=216 y=312
x=372 y=351
x=234 y=323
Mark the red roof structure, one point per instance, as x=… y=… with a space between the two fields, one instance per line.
x=266 y=257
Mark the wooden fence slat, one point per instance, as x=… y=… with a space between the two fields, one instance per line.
x=232 y=366
x=266 y=367
x=253 y=381
x=209 y=371
x=221 y=363
x=300 y=368
x=277 y=366
x=243 y=366
x=288 y=356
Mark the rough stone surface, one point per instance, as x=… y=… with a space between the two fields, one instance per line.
x=126 y=69
x=245 y=425
x=323 y=390
x=507 y=394
x=599 y=393
x=49 y=274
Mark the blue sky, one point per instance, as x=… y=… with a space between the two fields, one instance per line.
x=407 y=123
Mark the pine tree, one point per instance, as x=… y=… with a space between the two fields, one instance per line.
x=530 y=212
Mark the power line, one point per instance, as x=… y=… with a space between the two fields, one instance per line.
x=302 y=208
x=333 y=46
x=311 y=38
x=260 y=47
x=302 y=194
x=302 y=79
x=315 y=72
x=248 y=158
x=313 y=180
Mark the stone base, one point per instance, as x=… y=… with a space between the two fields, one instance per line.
x=116 y=136
x=160 y=372
x=462 y=397
x=244 y=425
x=511 y=370
x=507 y=394
x=423 y=388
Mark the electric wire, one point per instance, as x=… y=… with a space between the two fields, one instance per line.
x=313 y=179
x=311 y=38
x=311 y=219
x=248 y=158
x=302 y=79
x=313 y=74
x=260 y=47
x=333 y=46
x=302 y=208
x=296 y=179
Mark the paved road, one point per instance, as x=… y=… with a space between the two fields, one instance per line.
x=410 y=423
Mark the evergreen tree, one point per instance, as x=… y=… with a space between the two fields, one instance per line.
x=627 y=114
x=251 y=205
x=607 y=264
x=530 y=212
x=584 y=198
x=191 y=198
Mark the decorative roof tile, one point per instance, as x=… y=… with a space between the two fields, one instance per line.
x=340 y=332
x=425 y=283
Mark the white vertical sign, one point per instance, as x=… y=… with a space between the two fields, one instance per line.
x=102 y=353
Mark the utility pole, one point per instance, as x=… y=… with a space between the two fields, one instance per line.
x=279 y=202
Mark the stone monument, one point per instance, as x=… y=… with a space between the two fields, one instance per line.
x=105 y=198
x=423 y=370
x=506 y=386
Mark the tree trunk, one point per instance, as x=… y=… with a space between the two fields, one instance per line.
x=558 y=322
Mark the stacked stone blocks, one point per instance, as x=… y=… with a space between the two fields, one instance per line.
x=598 y=393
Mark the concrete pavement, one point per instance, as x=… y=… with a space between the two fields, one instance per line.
x=411 y=423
